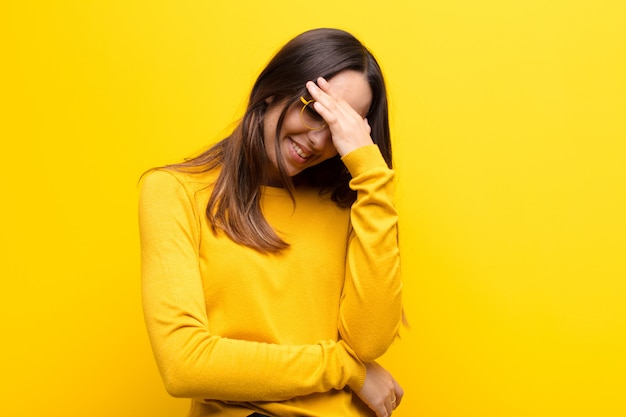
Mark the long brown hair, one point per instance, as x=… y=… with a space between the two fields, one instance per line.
x=234 y=205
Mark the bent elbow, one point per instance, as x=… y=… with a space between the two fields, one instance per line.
x=176 y=383
x=369 y=351
x=369 y=345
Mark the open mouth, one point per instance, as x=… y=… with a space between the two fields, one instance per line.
x=299 y=151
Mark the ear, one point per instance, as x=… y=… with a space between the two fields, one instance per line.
x=269 y=100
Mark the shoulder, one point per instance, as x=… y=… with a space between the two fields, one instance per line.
x=168 y=185
x=167 y=179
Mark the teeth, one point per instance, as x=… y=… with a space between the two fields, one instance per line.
x=299 y=151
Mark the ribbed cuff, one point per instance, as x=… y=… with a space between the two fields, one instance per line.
x=354 y=367
x=363 y=158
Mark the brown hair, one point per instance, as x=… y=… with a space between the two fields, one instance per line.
x=234 y=205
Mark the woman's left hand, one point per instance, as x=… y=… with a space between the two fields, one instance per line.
x=380 y=392
x=349 y=130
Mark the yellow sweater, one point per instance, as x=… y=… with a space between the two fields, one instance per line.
x=282 y=334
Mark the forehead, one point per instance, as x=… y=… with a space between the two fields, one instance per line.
x=352 y=86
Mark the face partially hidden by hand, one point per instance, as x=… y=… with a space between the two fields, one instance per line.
x=302 y=147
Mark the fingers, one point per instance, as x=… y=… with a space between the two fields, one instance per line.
x=327 y=103
x=399 y=392
x=320 y=90
x=393 y=399
x=390 y=404
x=349 y=129
x=381 y=392
x=328 y=100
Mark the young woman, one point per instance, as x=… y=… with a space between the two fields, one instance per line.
x=270 y=262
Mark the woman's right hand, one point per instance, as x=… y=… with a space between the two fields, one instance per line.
x=381 y=392
x=349 y=129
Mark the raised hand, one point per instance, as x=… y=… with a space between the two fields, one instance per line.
x=343 y=103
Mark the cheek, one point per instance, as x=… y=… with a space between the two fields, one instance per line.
x=292 y=125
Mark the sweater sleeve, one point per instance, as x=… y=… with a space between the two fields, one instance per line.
x=193 y=362
x=371 y=306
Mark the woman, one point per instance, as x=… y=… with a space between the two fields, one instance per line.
x=270 y=263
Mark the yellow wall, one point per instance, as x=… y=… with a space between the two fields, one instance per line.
x=509 y=119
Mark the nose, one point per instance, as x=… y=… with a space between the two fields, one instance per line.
x=320 y=140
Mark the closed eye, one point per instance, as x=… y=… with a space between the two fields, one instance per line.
x=312 y=113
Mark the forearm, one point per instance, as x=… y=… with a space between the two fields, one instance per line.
x=371 y=308
x=195 y=364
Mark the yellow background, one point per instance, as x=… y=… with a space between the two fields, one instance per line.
x=510 y=144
